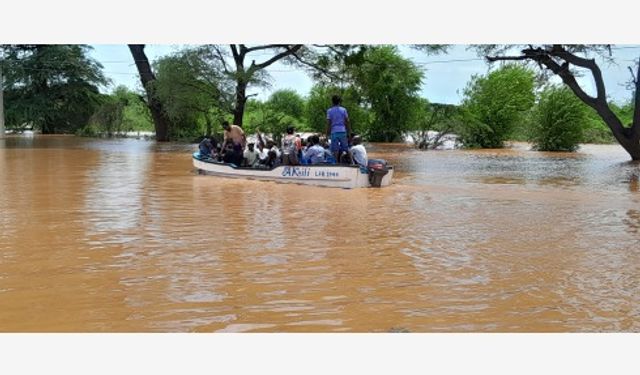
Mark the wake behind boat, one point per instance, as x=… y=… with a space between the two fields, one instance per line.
x=331 y=175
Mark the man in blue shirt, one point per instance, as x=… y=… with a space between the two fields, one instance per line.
x=338 y=127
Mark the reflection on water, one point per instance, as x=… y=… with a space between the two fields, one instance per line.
x=121 y=235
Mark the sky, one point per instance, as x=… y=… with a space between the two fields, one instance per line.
x=446 y=75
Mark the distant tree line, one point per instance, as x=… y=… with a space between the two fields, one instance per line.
x=186 y=95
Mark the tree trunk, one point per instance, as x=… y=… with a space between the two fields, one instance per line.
x=241 y=100
x=160 y=120
x=2 y=130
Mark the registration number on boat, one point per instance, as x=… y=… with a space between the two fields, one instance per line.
x=306 y=172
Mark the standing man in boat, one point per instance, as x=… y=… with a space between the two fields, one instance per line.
x=233 y=134
x=338 y=127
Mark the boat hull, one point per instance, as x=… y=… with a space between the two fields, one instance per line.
x=340 y=176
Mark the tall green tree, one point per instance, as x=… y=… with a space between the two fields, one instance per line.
x=288 y=102
x=495 y=103
x=569 y=61
x=390 y=84
x=193 y=89
x=55 y=88
x=559 y=120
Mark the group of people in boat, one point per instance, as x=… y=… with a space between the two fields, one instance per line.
x=340 y=146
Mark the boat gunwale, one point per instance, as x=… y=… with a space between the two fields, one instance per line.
x=222 y=164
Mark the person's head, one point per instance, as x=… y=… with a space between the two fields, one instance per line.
x=272 y=155
x=270 y=144
x=356 y=140
x=315 y=139
x=250 y=146
x=336 y=100
x=225 y=125
x=290 y=129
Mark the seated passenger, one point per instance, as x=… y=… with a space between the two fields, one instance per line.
x=228 y=154
x=329 y=158
x=206 y=147
x=250 y=156
x=358 y=152
x=315 y=154
x=263 y=153
x=271 y=161
x=271 y=146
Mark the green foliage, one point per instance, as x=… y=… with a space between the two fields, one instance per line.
x=282 y=109
x=122 y=111
x=54 y=88
x=559 y=120
x=389 y=83
x=194 y=90
x=287 y=102
x=441 y=118
x=495 y=103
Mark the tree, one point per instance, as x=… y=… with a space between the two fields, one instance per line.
x=254 y=73
x=430 y=118
x=121 y=111
x=193 y=89
x=54 y=88
x=559 y=120
x=264 y=117
x=389 y=83
x=494 y=103
x=288 y=102
x=147 y=78
x=567 y=62
x=379 y=83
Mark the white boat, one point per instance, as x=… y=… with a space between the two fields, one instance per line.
x=330 y=175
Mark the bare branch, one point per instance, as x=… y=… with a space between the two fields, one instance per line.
x=506 y=58
x=220 y=57
x=590 y=64
x=322 y=70
x=266 y=46
x=237 y=58
x=287 y=52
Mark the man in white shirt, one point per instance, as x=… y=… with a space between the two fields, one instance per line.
x=250 y=156
x=358 y=152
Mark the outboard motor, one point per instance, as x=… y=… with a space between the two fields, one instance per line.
x=377 y=169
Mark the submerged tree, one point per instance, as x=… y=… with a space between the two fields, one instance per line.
x=559 y=120
x=495 y=103
x=433 y=123
x=147 y=78
x=566 y=61
x=54 y=88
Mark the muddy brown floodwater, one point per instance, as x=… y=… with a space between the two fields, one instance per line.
x=123 y=236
